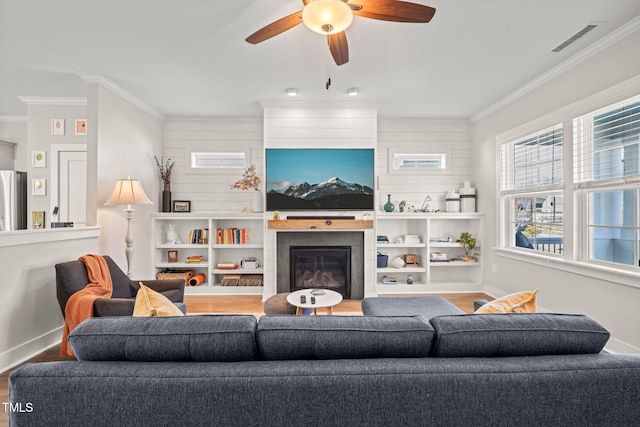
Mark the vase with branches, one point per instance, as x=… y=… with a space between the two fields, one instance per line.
x=250 y=180
x=164 y=168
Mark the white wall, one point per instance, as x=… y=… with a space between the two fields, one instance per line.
x=413 y=135
x=210 y=190
x=14 y=130
x=609 y=301
x=39 y=138
x=306 y=128
x=30 y=316
x=122 y=141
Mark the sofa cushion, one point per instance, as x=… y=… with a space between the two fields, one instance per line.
x=519 y=302
x=204 y=338
x=516 y=334
x=150 y=303
x=342 y=337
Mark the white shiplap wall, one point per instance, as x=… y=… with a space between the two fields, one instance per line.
x=210 y=191
x=295 y=125
x=412 y=136
x=313 y=128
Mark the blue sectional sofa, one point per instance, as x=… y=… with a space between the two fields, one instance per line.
x=233 y=370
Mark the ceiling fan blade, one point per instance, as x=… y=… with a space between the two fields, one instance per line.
x=393 y=10
x=275 y=28
x=339 y=47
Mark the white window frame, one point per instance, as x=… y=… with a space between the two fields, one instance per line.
x=584 y=185
x=441 y=155
x=508 y=191
x=222 y=169
x=573 y=259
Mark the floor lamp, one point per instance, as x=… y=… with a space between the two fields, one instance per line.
x=128 y=192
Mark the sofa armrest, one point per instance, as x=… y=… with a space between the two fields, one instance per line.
x=106 y=307
x=162 y=286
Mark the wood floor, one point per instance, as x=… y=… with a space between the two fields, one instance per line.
x=246 y=304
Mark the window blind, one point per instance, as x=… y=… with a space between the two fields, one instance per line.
x=204 y=160
x=532 y=163
x=607 y=145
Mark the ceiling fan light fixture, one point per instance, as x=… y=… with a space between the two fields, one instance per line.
x=292 y=91
x=327 y=16
x=353 y=91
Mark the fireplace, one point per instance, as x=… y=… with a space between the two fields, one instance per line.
x=326 y=267
x=284 y=240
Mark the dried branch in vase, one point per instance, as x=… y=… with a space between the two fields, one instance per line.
x=165 y=168
x=249 y=180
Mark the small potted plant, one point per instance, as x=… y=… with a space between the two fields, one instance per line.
x=468 y=243
x=276 y=215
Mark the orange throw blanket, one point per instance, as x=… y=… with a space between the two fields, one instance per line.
x=80 y=305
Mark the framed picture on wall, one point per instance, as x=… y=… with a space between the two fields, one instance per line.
x=57 y=127
x=172 y=256
x=182 y=205
x=39 y=159
x=81 y=127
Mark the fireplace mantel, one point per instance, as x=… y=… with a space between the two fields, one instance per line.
x=320 y=224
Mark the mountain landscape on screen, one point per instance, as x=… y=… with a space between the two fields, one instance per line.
x=333 y=193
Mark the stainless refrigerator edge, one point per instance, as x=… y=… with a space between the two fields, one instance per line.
x=13 y=200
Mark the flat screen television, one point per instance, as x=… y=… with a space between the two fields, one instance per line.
x=320 y=179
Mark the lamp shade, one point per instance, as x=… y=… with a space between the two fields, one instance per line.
x=128 y=192
x=327 y=16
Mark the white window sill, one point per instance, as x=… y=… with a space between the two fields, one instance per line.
x=593 y=270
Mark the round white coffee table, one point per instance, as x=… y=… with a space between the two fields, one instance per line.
x=324 y=298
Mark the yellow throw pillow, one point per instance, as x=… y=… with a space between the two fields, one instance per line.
x=520 y=302
x=150 y=303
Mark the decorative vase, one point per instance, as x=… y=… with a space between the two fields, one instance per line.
x=256 y=201
x=166 y=198
x=389 y=207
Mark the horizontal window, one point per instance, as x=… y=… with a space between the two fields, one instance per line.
x=208 y=160
x=437 y=161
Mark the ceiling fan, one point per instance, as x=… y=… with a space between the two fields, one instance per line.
x=333 y=17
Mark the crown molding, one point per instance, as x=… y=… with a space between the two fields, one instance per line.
x=50 y=100
x=123 y=93
x=13 y=119
x=605 y=42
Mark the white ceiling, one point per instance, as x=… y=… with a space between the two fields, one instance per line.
x=189 y=58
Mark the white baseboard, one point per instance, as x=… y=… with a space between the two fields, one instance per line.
x=29 y=349
x=615 y=345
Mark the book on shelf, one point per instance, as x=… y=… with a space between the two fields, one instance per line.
x=232 y=236
x=438 y=257
x=389 y=280
x=199 y=236
x=227 y=266
x=195 y=259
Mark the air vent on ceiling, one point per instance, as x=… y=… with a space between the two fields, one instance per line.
x=574 y=38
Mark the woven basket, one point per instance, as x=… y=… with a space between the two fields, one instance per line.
x=175 y=274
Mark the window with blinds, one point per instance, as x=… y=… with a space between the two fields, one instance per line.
x=607 y=175
x=211 y=160
x=531 y=190
x=606 y=145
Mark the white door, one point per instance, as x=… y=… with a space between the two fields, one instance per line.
x=73 y=187
x=69 y=183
